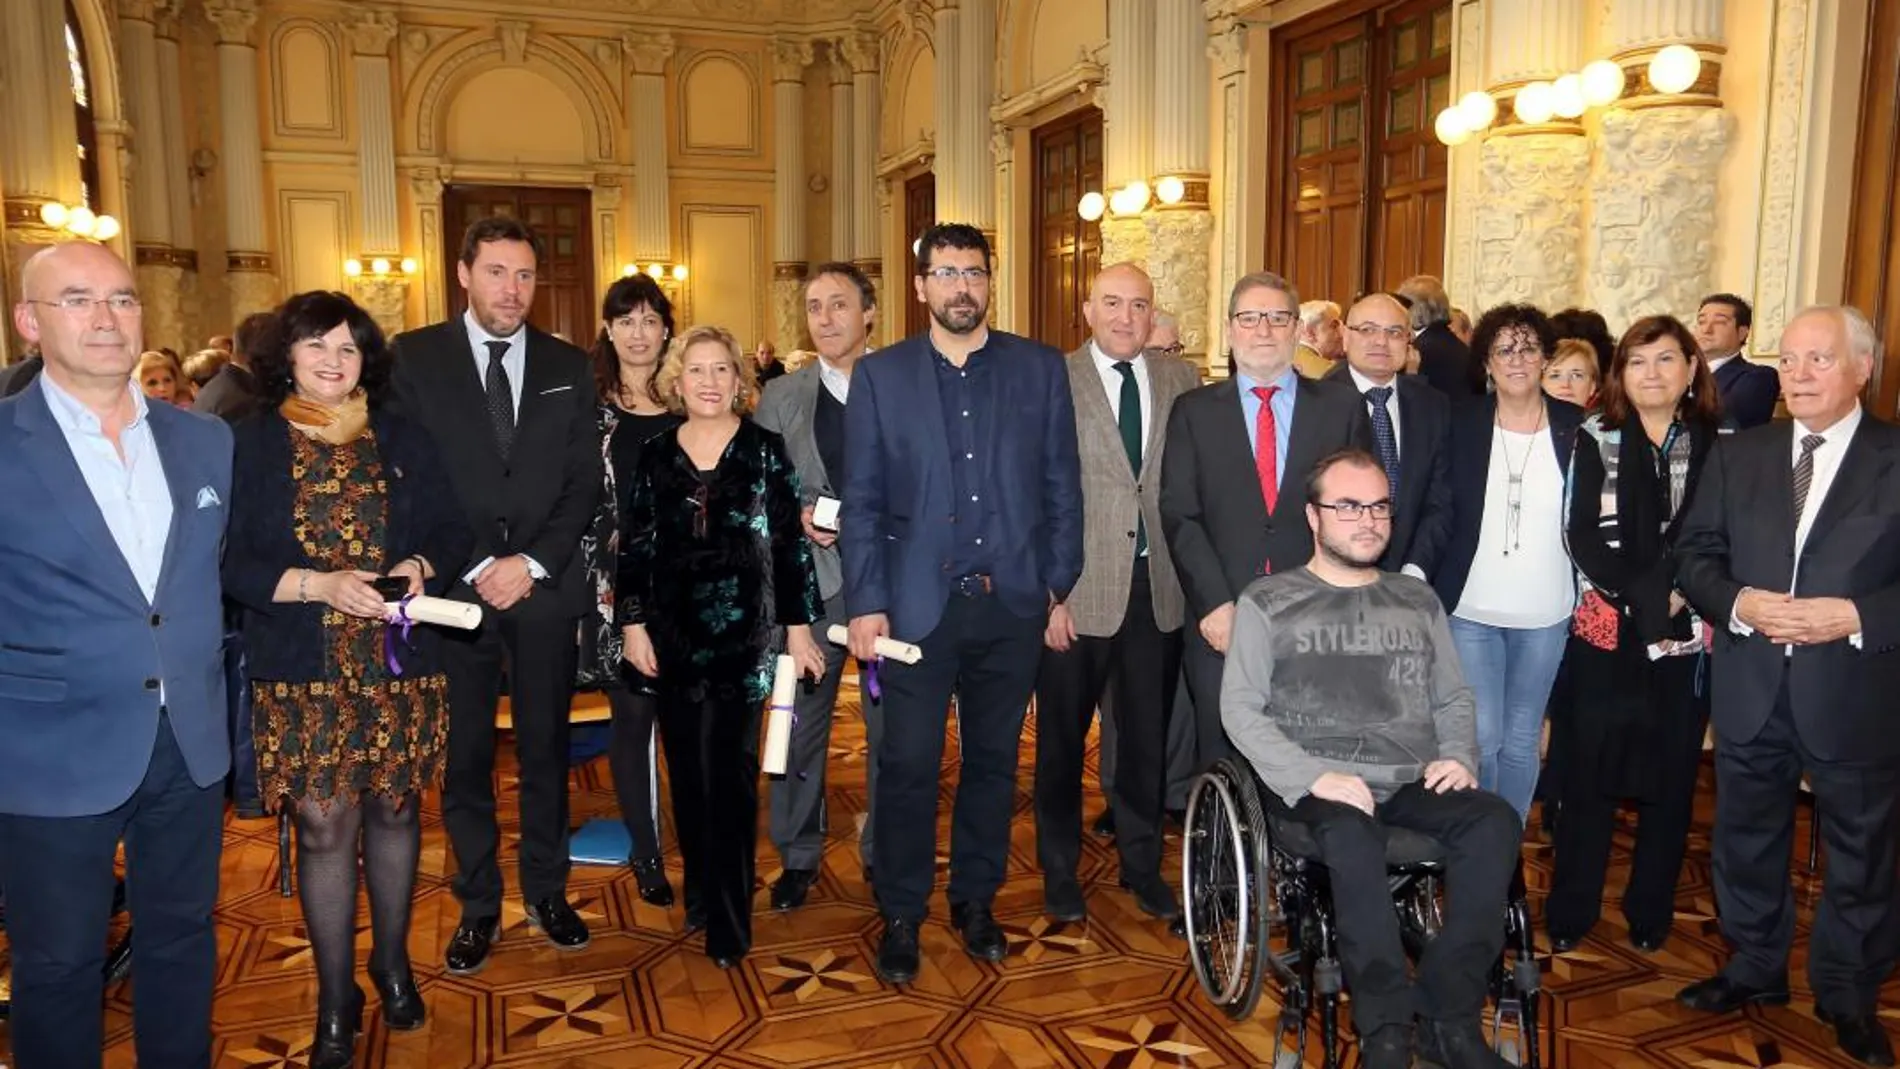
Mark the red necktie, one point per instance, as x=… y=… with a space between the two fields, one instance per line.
x=1266 y=448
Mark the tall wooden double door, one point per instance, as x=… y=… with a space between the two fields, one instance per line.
x=564 y=295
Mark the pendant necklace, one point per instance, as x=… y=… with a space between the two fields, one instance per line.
x=1514 y=486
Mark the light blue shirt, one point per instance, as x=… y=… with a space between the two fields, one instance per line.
x=132 y=493
x=514 y=361
x=1288 y=382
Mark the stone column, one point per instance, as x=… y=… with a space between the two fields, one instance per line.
x=976 y=81
x=425 y=199
x=1652 y=246
x=1532 y=179
x=790 y=57
x=652 y=201
x=1179 y=234
x=1128 y=122
x=861 y=51
x=178 y=180
x=947 y=43
x=37 y=162
x=1227 y=51
x=844 y=200
x=159 y=276
x=253 y=287
x=385 y=297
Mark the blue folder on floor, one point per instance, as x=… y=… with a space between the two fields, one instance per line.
x=601 y=841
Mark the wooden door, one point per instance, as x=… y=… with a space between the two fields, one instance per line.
x=1322 y=82
x=1068 y=249
x=920 y=214
x=564 y=301
x=1410 y=166
x=1873 y=244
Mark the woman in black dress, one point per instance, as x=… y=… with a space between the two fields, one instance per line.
x=636 y=325
x=715 y=579
x=1637 y=653
x=329 y=492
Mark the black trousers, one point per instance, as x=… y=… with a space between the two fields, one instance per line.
x=1852 y=945
x=986 y=656
x=1480 y=831
x=712 y=764
x=1204 y=670
x=1139 y=664
x=630 y=758
x=539 y=647
x=59 y=881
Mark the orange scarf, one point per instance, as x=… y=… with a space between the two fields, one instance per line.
x=338 y=425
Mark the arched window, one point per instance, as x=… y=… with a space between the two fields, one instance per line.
x=88 y=143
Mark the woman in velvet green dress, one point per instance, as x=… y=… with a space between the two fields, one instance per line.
x=715 y=579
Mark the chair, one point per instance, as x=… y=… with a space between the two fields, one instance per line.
x=1259 y=902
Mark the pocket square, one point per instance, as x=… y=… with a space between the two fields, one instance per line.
x=208 y=498
x=556 y=389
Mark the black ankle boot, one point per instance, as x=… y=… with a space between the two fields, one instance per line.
x=403 y=1010
x=337 y=1029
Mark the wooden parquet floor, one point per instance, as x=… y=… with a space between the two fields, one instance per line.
x=1114 y=993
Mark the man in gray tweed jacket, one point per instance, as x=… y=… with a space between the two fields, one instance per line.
x=1343 y=690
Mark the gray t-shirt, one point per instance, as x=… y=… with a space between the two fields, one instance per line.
x=1360 y=680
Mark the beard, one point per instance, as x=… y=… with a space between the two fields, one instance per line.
x=1353 y=552
x=960 y=315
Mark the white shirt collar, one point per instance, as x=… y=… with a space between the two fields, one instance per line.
x=1837 y=436
x=835 y=379
x=1362 y=383
x=1716 y=362
x=1106 y=363
x=72 y=414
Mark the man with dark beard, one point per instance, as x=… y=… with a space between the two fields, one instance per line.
x=961 y=528
x=1343 y=690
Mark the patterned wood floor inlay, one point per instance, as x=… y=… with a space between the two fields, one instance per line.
x=1114 y=992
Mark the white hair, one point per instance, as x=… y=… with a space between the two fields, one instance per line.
x=1313 y=313
x=1862 y=341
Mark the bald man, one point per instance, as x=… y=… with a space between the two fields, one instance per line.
x=112 y=707
x=1410 y=421
x=1120 y=628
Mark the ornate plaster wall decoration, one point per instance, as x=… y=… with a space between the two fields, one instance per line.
x=1178 y=262
x=1777 y=257
x=1529 y=223
x=1462 y=255
x=1652 y=243
x=513 y=35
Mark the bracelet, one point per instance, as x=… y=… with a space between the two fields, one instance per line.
x=303 y=586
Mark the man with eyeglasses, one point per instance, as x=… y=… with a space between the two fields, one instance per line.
x=1236 y=452
x=961 y=528
x=1410 y=420
x=1344 y=692
x=112 y=706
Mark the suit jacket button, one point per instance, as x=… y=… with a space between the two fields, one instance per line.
x=157 y=619
x=1131 y=534
x=151 y=684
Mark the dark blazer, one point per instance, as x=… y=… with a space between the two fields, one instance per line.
x=1469 y=450
x=18 y=377
x=1421 y=516
x=231 y=395
x=1740 y=532
x=1215 y=520
x=1749 y=391
x=83 y=654
x=539 y=501
x=1444 y=361
x=285 y=640
x=894 y=522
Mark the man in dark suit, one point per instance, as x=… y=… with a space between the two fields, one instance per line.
x=513 y=412
x=1410 y=420
x=1237 y=454
x=807 y=408
x=233 y=392
x=1442 y=358
x=112 y=716
x=962 y=525
x=1792 y=549
x=1749 y=390
x=1120 y=629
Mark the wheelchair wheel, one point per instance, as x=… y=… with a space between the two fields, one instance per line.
x=1226 y=876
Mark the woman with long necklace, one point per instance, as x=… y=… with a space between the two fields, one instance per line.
x=1506 y=579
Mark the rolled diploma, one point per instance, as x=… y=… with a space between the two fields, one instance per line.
x=778 y=722
x=888 y=648
x=442 y=612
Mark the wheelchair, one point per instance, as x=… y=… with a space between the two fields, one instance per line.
x=1258 y=902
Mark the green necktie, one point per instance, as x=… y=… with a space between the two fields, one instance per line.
x=1130 y=420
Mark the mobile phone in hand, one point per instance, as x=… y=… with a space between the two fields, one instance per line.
x=824 y=514
x=391 y=587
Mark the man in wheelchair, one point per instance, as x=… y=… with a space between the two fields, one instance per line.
x=1343 y=691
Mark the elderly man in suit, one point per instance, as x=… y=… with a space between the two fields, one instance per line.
x=513 y=412
x=1121 y=626
x=112 y=715
x=1442 y=358
x=1792 y=545
x=1749 y=390
x=807 y=408
x=1237 y=454
x=962 y=526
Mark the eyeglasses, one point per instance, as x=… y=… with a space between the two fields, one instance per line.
x=1518 y=354
x=1251 y=319
x=1350 y=511
x=1172 y=350
x=1370 y=331
x=78 y=305
x=947 y=274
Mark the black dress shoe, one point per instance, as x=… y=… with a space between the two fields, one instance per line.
x=1104 y=827
x=557 y=921
x=650 y=873
x=1387 y=1048
x=1178 y=927
x=1719 y=994
x=1648 y=940
x=1461 y=1045
x=469 y=946
x=1062 y=899
x=1562 y=941
x=727 y=961
x=1860 y=1035
x=1156 y=899
x=982 y=938
x=898 y=958
x=337 y=1029
x=403 y=1010
x=790 y=889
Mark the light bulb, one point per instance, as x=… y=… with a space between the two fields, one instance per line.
x=1092 y=206
x=1534 y=104
x=1450 y=126
x=679 y=272
x=1170 y=190
x=353 y=268
x=1674 y=69
x=53 y=214
x=408 y=265
x=1566 y=97
x=656 y=270
x=105 y=229
x=81 y=221
x=1138 y=194
x=1478 y=110
x=379 y=266
x=1603 y=83
x=628 y=270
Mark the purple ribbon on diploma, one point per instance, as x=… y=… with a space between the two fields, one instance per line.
x=871 y=686
x=399 y=623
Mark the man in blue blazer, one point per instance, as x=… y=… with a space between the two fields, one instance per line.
x=1749 y=390
x=961 y=525
x=112 y=714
